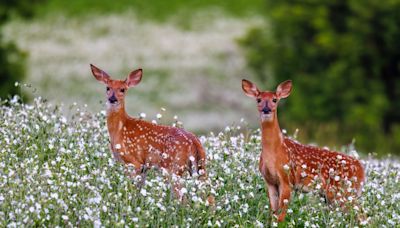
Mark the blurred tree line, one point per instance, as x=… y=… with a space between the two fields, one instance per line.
x=12 y=60
x=344 y=59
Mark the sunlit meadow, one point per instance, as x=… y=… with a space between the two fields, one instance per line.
x=58 y=171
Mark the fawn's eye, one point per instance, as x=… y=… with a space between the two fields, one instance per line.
x=274 y=100
x=122 y=90
x=108 y=88
x=258 y=100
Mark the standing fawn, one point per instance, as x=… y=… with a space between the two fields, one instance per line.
x=286 y=164
x=144 y=144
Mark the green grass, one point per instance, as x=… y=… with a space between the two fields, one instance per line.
x=59 y=172
x=158 y=10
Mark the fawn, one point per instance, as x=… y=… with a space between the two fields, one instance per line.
x=144 y=144
x=286 y=164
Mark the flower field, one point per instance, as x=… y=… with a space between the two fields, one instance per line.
x=58 y=171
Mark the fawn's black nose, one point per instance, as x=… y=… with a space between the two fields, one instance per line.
x=112 y=99
x=266 y=110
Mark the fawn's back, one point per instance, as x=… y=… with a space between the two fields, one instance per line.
x=157 y=145
x=331 y=170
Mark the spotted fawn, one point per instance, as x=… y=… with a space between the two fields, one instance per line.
x=144 y=144
x=286 y=164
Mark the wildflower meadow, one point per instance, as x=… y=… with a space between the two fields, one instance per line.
x=57 y=170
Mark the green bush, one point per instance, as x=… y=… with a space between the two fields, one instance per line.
x=344 y=60
x=12 y=60
x=12 y=69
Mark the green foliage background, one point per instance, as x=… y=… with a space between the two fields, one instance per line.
x=344 y=59
x=156 y=10
x=11 y=70
x=12 y=60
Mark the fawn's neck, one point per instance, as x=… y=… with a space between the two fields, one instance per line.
x=271 y=134
x=116 y=118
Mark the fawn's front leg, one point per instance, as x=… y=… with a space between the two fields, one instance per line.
x=284 y=197
x=129 y=161
x=273 y=197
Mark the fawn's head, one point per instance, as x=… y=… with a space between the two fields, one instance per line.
x=267 y=101
x=116 y=89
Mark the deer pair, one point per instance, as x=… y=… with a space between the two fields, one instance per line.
x=284 y=163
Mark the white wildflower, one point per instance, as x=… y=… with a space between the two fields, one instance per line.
x=259 y=224
x=143 y=192
x=201 y=172
x=97 y=223
x=142 y=115
x=183 y=191
x=286 y=167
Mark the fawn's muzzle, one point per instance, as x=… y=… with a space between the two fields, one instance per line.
x=266 y=110
x=112 y=99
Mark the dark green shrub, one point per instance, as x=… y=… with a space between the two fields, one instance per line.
x=12 y=60
x=344 y=59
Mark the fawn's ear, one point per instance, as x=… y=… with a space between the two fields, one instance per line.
x=284 y=89
x=134 y=77
x=99 y=74
x=250 y=89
